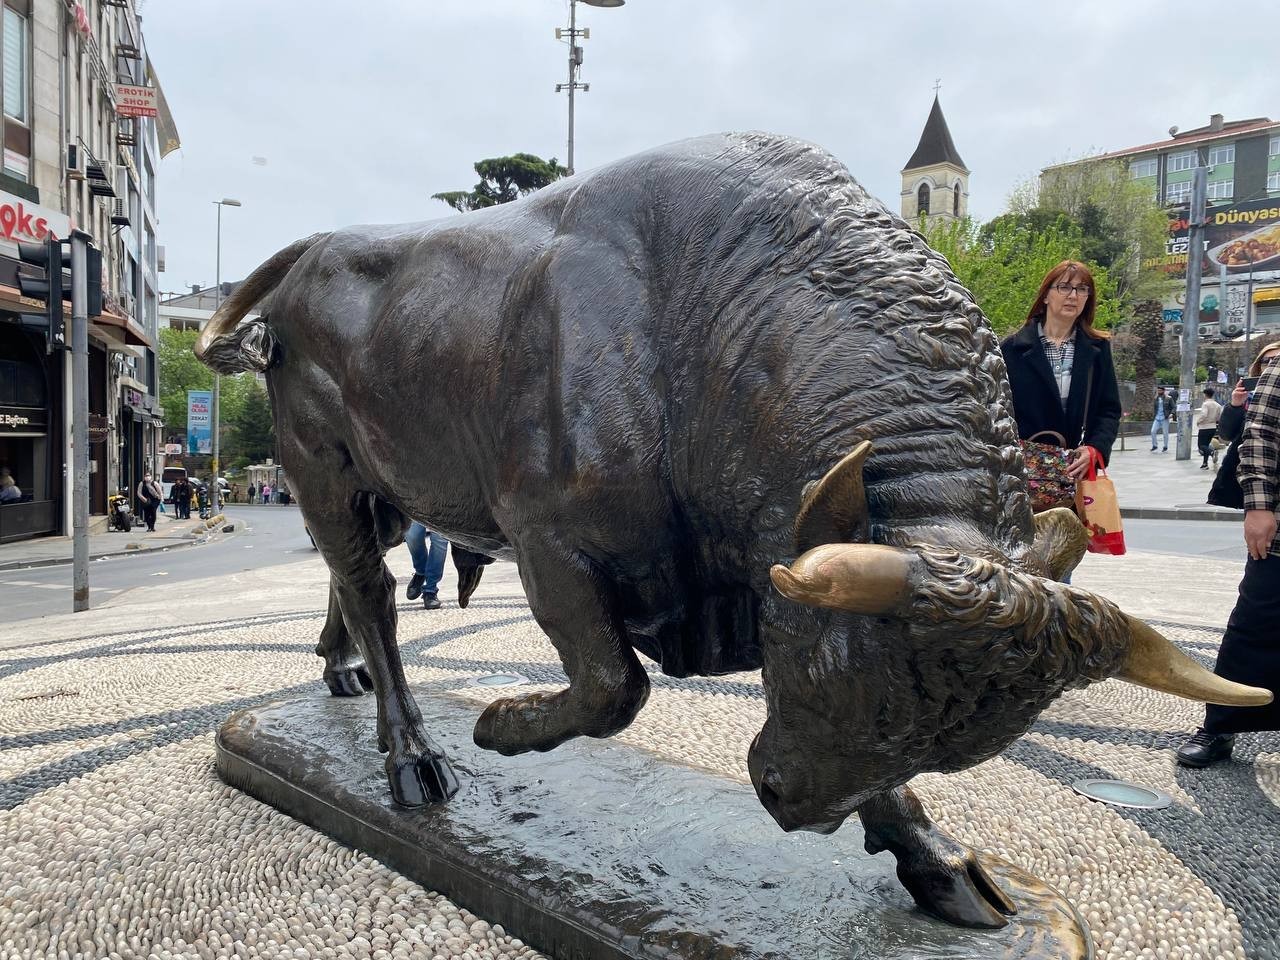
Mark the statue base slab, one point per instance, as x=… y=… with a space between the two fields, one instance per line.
x=601 y=850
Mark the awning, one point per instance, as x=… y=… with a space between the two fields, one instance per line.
x=1266 y=296
x=122 y=329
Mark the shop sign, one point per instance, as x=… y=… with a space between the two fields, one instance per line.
x=24 y=420
x=24 y=221
x=1239 y=237
x=134 y=101
x=132 y=397
x=199 y=421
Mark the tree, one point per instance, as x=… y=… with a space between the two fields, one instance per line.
x=503 y=179
x=180 y=371
x=253 y=428
x=1147 y=328
x=1003 y=262
x=1121 y=222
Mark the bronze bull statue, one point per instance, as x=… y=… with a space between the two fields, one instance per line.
x=724 y=409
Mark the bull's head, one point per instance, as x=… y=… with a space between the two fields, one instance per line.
x=927 y=659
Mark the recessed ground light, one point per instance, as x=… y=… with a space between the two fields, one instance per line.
x=1121 y=793
x=499 y=680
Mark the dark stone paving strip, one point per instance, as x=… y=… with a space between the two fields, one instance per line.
x=1231 y=847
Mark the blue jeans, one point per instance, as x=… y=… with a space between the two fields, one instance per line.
x=1156 y=427
x=428 y=563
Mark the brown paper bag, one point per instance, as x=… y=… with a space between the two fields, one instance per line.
x=1099 y=509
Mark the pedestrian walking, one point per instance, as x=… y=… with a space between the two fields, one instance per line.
x=149 y=498
x=1207 y=418
x=428 y=564
x=1165 y=413
x=235 y=493
x=1250 y=651
x=253 y=492
x=266 y=493
x=181 y=493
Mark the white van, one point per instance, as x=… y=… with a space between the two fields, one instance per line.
x=171 y=476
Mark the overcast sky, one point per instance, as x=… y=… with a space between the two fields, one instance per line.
x=362 y=111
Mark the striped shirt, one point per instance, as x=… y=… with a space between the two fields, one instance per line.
x=1259 y=470
x=1060 y=358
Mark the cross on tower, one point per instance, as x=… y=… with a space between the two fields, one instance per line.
x=937 y=85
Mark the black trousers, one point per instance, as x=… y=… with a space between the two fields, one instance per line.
x=1251 y=650
x=149 y=514
x=1202 y=441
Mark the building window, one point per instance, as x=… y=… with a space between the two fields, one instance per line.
x=1221 y=189
x=1224 y=154
x=1177 y=192
x=1273 y=149
x=922 y=200
x=1142 y=168
x=1273 y=180
x=17 y=67
x=955 y=200
x=1182 y=161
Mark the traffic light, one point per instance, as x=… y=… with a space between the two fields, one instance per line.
x=49 y=289
x=93 y=280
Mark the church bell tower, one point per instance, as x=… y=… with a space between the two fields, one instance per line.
x=935 y=181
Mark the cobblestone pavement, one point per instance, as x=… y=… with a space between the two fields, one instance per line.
x=120 y=841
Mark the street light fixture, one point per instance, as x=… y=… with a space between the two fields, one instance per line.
x=575 y=60
x=215 y=494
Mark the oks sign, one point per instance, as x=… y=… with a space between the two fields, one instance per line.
x=21 y=220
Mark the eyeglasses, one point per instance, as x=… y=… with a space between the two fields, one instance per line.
x=1066 y=288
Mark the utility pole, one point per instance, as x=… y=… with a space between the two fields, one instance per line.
x=575 y=60
x=1191 y=313
x=80 y=417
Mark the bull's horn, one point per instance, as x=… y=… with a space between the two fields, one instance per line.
x=834 y=510
x=866 y=578
x=1061 y=540
x=1156 y=663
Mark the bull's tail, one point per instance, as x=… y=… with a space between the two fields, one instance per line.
x=229 y=346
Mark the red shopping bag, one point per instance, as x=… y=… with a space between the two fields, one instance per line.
x=1098 y=508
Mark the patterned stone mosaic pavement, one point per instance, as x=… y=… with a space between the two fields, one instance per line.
x=120 y=841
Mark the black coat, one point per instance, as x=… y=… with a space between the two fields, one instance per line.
x=1036 y=404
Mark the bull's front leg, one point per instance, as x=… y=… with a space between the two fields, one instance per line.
x=941 y=874
x=344 y=670
x=574 y=603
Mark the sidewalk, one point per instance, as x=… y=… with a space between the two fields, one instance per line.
x=1158 y=486
x=48 y=551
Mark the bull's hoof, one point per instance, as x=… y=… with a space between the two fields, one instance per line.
x=514 y=725
x=946 y=880
x=352 y=682
x=418 y=779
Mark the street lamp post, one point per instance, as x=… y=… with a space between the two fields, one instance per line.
x=575 y=60
x=215 y=495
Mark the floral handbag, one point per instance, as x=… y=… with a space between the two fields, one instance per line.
x=1047 y=479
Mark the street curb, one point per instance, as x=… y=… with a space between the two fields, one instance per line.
x=62 y=561
x=1181 y=513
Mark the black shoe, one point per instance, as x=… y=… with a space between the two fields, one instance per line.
x=1153 y=449
x=1204 y=466
x=414 y=590
x=431 y=602
x=1203 y=748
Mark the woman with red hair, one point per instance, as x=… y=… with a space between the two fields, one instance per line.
x=1060 y=369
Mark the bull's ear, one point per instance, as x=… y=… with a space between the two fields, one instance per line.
x=1061 y=540
x=834 y=510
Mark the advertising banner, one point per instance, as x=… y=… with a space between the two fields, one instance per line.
x=199 y=421
x=1238 y=237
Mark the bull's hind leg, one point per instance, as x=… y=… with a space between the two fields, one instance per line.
x=575 y=605
x=346 y=526
x=344 y=671
x=941 y=874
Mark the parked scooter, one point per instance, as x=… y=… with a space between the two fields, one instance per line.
x=119 y=516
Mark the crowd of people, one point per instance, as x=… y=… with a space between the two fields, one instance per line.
x=1065 y=391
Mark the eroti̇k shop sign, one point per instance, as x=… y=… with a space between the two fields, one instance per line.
x=199 y=421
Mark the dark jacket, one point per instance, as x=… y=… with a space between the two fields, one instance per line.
x=1170 y=407
x=1036 y=404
